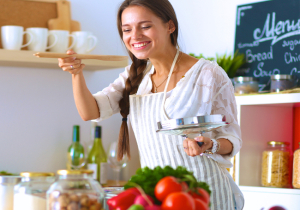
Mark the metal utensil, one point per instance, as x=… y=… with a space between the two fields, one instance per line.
x=192 y=126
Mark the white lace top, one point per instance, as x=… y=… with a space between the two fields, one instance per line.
x=205 y=89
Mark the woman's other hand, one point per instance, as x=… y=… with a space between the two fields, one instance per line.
x=193 y=149
x=71 y=64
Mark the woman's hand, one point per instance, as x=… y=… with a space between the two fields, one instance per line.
x=71 y=64
x=193 y=149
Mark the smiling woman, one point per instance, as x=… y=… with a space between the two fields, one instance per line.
x=162 y=76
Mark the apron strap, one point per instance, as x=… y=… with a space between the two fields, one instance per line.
x=166 y=87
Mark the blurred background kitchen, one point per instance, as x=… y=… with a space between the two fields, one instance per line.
x=37 y=109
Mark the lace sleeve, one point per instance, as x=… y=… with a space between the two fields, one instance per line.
x=224 y=103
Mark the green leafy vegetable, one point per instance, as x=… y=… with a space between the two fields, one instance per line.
x=229 y=63
x=147 y=178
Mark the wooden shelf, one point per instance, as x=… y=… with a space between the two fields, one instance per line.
x=25 y=58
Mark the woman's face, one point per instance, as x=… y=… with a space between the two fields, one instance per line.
x=144 y=34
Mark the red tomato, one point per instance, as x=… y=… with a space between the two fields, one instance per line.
x=125 y=199
x=202 y=195
x=200 y=204
x=165 y=186
x=178 y=201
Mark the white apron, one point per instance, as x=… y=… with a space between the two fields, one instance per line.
x=162 y=150
x=166 y=150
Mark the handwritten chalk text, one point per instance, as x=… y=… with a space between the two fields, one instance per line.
x=291 y=43
x=259 y=72
x=289 y=58
x=259 y=56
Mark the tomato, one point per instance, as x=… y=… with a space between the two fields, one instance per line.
x=125 y=199
x=178 y=201
x=200 y=204
x=202 y=195
x=166 y=186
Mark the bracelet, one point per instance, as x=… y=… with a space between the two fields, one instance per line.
x=219 y=145
x=215 y=147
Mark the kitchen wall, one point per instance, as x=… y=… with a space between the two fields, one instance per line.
x=37 y=109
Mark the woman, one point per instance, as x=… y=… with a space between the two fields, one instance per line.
x=149 y=30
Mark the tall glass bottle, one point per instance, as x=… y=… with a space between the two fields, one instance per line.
x=97 y=159
x=76 y=157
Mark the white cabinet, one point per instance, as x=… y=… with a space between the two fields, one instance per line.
x=264 y=118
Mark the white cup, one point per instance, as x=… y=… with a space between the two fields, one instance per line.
x=12 y=37
x=85 y=42
x=62 y=44
x=40 y=39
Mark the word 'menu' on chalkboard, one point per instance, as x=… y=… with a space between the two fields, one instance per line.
x=268 y=33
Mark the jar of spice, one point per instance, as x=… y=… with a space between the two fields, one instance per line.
x=75 y=189
x=296 y=168
x=276 y=165
x=7 y=184
x=31 y=191
x=243 y=85
x=280 y=82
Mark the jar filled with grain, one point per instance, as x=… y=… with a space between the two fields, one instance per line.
x=276 y=165
x=75 y=190
x=296 y=168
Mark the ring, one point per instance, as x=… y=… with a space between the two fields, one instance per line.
x=72 y=67
x=184 y=147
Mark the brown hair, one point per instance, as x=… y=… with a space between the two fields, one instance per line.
x=164 y=10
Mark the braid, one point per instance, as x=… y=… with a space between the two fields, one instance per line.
x=131 y=86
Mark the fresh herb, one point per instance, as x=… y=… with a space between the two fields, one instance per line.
x=230 y=63
x=147 y=178
x=5 y=173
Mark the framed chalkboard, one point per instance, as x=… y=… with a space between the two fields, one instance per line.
x=268 y=33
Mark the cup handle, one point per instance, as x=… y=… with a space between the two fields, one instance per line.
x=95 y=40
x=54 y=43
x=30 y=40
x=73 y=42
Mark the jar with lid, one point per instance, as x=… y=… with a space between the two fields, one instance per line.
x=7 y=184
x=280 y=82
x=30 y=193
x=75 y=189
x=276 y=165
x=243 y=85
x=296 y=168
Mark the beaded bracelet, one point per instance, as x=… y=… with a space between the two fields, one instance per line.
x=215 y=147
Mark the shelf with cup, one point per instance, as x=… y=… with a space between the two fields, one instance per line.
x=25 y=58
x=264 y=118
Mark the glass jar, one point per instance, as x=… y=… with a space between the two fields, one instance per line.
x=243 y=85
x=7 y=184
x=280 y=82
x=276 y=165
x=75 y=189
x=30 y=193
x=296 y=168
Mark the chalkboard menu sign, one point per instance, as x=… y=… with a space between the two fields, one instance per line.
x=268 y=33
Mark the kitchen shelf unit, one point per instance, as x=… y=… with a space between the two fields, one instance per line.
x=25 y=58
x=264 y=118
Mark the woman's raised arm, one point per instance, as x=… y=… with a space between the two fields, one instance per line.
x=85 y=102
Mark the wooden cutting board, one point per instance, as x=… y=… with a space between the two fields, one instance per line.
x=63 y=20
